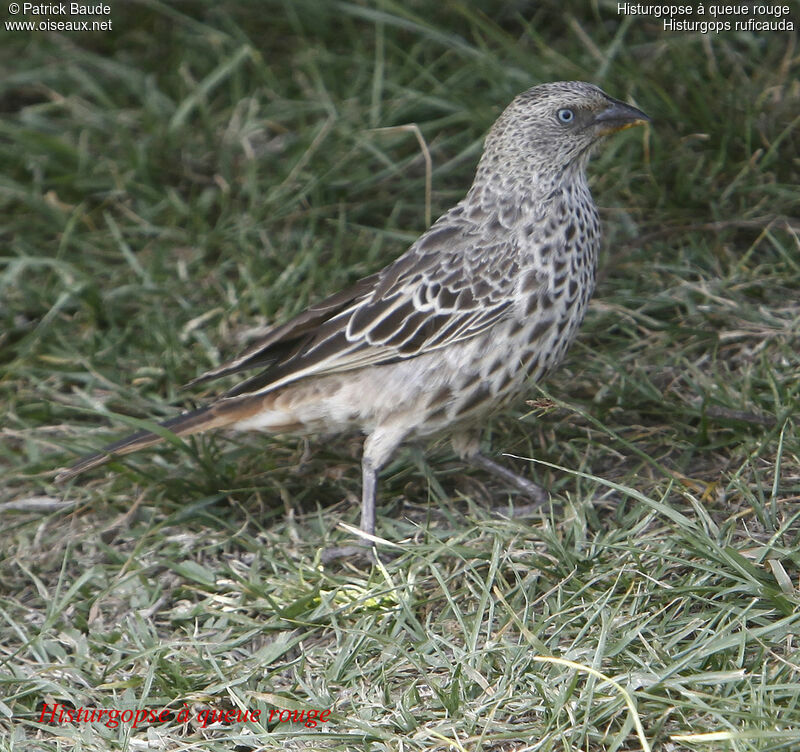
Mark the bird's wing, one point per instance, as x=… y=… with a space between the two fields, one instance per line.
x=448 y=287
x=279 y=342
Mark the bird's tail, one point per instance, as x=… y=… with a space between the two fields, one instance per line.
x=218 y=415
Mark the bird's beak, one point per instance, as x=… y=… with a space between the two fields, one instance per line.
x=618 y=116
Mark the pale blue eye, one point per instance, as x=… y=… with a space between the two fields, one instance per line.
x=565 y=115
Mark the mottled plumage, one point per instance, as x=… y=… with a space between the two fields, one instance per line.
x=489 y=297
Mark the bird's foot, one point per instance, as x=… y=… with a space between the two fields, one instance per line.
x=359 y=553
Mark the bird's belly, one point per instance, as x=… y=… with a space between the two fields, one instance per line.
x=427 y=393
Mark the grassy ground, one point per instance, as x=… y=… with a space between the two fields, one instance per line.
x=207 y=168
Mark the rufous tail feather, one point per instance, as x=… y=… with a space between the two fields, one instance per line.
x=218 y=415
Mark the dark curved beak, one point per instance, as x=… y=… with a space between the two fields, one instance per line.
x=618 y=116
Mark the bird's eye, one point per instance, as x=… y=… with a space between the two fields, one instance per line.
x=565 y=116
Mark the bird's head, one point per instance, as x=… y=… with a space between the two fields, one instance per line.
x=554 y=126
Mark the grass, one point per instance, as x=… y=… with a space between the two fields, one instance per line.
x=208 y=168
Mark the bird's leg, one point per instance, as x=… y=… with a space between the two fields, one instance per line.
x=532 y=490
x=467 y=445
x=378 y=447
x=362 y=549
x=369 y=485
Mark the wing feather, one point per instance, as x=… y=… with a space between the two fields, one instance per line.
x=448 y=287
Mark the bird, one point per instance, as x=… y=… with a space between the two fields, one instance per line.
x=484 y=303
